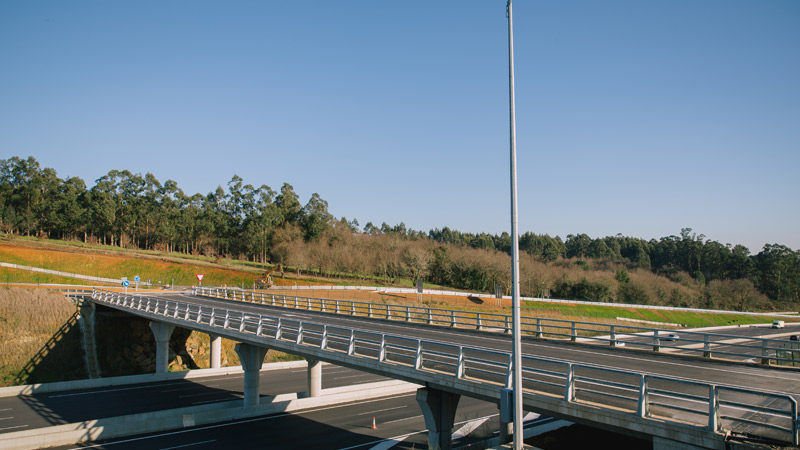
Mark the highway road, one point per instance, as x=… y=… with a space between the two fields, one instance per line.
x=345 y=427
x=42 y=410
x=715 y=372
x=735 y=343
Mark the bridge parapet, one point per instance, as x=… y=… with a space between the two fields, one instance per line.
x=699 y=414
x=698 y=343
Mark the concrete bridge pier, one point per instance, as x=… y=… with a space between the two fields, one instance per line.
x=439 y=409
x=216 y=351
x=506 y=432
x=162 y=332
x=252 y=358
x=314 y=377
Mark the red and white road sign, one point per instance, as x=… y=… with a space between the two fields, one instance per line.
x=200 y=277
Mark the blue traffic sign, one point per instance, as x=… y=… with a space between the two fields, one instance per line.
x=136 y=278
x=126 y=283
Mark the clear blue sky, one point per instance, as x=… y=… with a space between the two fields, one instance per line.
x=633 y=117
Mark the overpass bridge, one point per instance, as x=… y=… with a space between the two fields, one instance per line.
x=680 y=403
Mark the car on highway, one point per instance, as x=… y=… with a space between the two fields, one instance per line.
x=670 y=337
x=778 y=324
x=794 y=337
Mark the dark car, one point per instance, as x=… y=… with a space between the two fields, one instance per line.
x=794 y=337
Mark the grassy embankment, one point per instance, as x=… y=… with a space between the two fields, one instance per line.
x=32 y=323
x=114 y=263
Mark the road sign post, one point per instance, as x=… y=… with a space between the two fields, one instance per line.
x=200 y=279
x=137 y=279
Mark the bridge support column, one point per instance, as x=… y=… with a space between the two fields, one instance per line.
x=216 y=351
x=506 y=432
x=314 y=377
x=439 y=409
x=252 y=358
x=162 y=332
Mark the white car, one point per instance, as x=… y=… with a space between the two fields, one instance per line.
x=670 y=337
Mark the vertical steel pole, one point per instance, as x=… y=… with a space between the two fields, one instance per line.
x=515 y=307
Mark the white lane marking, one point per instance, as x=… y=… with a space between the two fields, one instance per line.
x=354 y=376
x=530 y=416
x=380 y=410
x=11 y=428
x=5 y=418
x=5 y=409
x=391 y=442
x=237 y=396
x=470 y=426
x=403 y=419
x=150 y=386
x=190 y=445
x=222 y=425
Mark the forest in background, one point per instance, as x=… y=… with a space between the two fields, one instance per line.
x=259 y=224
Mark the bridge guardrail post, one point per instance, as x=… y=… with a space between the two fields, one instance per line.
x=480 y=324
x=351 y=346
x=278 y=330
x=418 y=356
x=324 y=344
x=322 y=304
x=642 y=409
x=430 y=317
x=460 y=364
x=507 y=329
x=713 y=408
x=352 y=308
x=706 y=346
x=199 y=313
x=260 y=325
x=242 y=322
x=272 y=296
x=509 y=371
x=227 y=318
x=213 y=316
x=765 y=352
x=452 y=318
x=574 y=332
x=382 y=352
x=388 y=312
x=299 y=334
x=613 y=341
x=408 y=314
x=656 y=342
x=284 y=300
x=569 y=388
x=337 y=307
x=539 y=332
x=369 y=308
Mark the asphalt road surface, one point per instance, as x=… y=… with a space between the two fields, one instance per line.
x=42 y=410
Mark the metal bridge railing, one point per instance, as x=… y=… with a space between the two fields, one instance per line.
x=707 y=345
x=714 y=407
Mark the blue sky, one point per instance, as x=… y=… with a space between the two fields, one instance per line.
x=633 y=117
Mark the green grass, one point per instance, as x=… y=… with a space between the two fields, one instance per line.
x=686 y=318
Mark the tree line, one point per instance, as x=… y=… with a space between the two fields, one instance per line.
x=260 y=224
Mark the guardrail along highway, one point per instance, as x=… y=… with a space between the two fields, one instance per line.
x=688 y=403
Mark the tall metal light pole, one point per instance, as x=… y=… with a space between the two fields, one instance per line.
x=515 y=307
